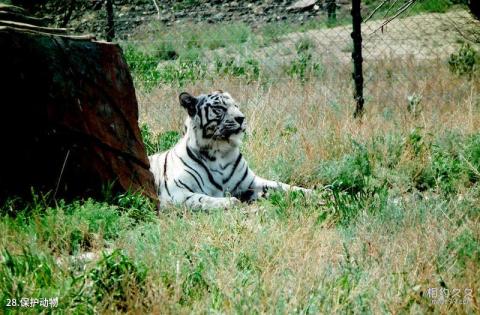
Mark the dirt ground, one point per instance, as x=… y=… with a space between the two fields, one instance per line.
x=423 y=36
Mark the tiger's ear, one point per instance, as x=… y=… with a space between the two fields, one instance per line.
x=189 y=102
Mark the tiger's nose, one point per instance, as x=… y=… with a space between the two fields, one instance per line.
x=239 y=119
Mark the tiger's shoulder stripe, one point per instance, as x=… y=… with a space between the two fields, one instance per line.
x=182 y=184
x=165 y=175
x=209 y=174
x=234 y=190
x=196 y=180
x=191 y=168
x=234 y=168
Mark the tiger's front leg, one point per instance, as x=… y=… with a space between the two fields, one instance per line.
x=204 y=202
x=260 y=186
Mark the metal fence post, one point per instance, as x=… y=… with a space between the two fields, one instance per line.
x=357 y=57
x=110 y=21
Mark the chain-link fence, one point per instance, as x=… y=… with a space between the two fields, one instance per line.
x=270 y=43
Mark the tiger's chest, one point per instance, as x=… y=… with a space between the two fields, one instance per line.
x=226 y=173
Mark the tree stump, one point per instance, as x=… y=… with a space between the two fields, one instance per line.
x=68 y=117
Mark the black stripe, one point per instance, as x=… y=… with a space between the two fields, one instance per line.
x=182 y=185
x=241 y=180
x=250 y=185
x=194 y=170
x=246 y=196
x=165 y=165
x=165 y=174
x=210 y=177
x=189 y=197
x=186 y=186
x=176 y=183
x=201 y=119
x=234 y=168
x=226 y=165
x=217 y=171
x=196 y=180
x=166 y=187
x=265 y=189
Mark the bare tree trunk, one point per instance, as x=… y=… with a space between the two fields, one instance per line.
x=157 y=8
x=68 y=13
x=110 y=21
x=357 y=57
x=331 y=10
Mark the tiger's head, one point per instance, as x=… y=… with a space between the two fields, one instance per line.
x=214 y=120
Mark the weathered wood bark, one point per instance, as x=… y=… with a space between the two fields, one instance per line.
x=68 y=118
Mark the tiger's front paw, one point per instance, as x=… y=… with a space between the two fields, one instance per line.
x=306 y=191
x=225 y=203
x=234 y=201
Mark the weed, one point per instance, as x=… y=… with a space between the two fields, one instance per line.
x=165 y=50
x=27 y=274
x=465 y=247
x=351 y=174
x=465 y=62
x=138 y=207
x=304 y=67
x=181 y=72
x=115 y=278
x=471 y=157
x=143 y=67
x=249 y=69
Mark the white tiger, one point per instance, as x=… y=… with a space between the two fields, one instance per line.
x=205 y=169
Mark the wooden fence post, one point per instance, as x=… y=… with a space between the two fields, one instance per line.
x=357 y=57
x=110 y=21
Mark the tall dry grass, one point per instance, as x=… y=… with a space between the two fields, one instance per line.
x=252 y=261
x=320 y=111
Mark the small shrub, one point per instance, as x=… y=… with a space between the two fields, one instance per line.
x=351 y=174
x=472 y=157
x=304 y=67
x=444 y=169
x=465 y=62
x=417 y=142
x=352 y=186
x=304 y=45
x=249 y=69
x=138 y=207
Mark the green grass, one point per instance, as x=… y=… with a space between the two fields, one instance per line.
x=233 y=261
x=421 y=6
